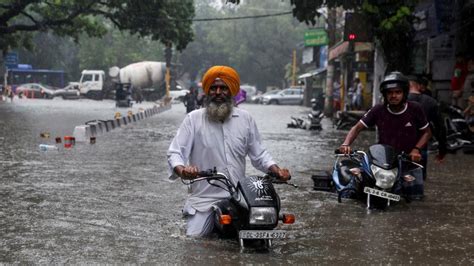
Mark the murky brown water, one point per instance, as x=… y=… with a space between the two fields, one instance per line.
x=111 y=203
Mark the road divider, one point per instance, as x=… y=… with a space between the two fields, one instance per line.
x=91 y=130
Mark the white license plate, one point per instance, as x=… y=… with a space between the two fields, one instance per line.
x=382 y=194
x=262 y=234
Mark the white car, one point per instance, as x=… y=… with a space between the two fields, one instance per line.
x=286 y=96
x=178 y=95
x=71 y=91
x=259 y=97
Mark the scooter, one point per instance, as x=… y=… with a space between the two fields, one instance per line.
x=378 y=177
x=251 y=213
x=312 y=121
x=123 y=95
x=458 y=133
x=344 y=120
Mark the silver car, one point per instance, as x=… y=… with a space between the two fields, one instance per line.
x=286 y=96
x=35 y=91
x=71 y=91
x=258 y=98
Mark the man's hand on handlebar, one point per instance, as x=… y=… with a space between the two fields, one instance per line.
x=415 y=155
x=282 y=174
x=188 y=172
x=345 y=149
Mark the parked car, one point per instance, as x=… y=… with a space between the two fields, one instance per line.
x=286 y=96
x=178 y=94
x=259 y=97
x=35 y=90
x=71 y=91
x=250 y=90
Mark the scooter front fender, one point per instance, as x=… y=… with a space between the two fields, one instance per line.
x=226 y=207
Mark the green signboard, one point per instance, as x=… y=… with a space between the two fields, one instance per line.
x=316 y=37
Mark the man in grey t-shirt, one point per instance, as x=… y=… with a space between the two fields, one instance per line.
x=430 y=107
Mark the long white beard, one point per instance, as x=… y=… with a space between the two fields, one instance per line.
x=219 y=112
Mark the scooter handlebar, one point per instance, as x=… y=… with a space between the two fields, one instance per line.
x=406 y=158
x=206 y=173
x=274 y=178
x=338 y=152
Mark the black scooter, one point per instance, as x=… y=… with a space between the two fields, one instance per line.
x=252 y=212
x=458 y=133
x=345 y=120
x=312 y=121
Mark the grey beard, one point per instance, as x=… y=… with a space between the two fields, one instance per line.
x=219 y=112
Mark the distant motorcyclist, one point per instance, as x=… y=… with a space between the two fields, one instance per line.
x=401 y=124
x=220 y=136
x=191 y=100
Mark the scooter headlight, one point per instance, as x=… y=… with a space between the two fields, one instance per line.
x=263 y=216
x=384 y=178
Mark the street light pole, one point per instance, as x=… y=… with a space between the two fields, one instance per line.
x=331 y=20
x=293 y=74
x=168 y=65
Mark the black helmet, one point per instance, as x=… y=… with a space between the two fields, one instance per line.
x=393 y=80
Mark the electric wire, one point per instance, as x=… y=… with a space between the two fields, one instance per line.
x=232 y=18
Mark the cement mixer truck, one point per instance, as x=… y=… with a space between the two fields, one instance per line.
x=146 y=78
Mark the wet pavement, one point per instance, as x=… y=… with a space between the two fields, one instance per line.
x=111 y=202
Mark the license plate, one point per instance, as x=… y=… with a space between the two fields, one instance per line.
x=382 y=194
x=262 y=234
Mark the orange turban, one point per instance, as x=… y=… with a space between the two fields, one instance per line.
x=227 y=74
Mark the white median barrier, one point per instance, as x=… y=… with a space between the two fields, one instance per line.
x=91 y=129
x=82 y=133
x=109 y=125
x=96 y=128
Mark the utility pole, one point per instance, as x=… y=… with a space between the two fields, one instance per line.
x=293 y=75
x=168 y=54
x=328 y=110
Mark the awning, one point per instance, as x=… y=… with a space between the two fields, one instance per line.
x=312 y=73
x=343 y=47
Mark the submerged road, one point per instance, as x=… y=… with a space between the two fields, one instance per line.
x=111 y=202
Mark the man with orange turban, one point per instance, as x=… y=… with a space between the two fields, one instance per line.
x=219 y=136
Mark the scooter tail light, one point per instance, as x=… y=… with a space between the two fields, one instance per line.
x=225 y=219
x=288 y=218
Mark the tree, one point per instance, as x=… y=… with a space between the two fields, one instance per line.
x=166 y=21
x=259 y=49
x=391 y=20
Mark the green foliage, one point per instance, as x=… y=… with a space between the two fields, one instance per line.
x=163 y=20
x=391 y=20
x=117 y=49
x=259 y=49
x=306 y=10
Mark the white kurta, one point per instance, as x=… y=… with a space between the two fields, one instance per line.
x=225 y=146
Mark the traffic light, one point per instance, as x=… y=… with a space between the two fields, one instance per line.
x=357 y=28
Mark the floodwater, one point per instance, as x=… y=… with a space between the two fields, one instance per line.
x=111 y=202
